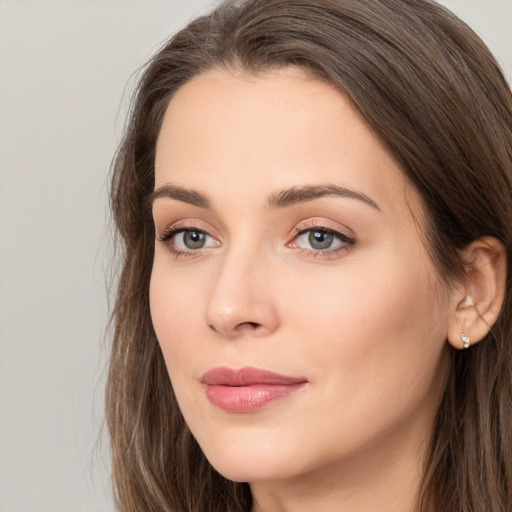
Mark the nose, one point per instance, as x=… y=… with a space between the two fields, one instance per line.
x=241 y=302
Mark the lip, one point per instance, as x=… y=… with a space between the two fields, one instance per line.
x=248 y=389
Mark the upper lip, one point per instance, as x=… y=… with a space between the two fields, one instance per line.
x=247 y=376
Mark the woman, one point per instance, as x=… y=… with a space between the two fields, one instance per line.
x=314 y=204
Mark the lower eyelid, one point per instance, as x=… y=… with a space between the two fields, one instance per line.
x=327 y=254
x=344 y=241
x=168 y=239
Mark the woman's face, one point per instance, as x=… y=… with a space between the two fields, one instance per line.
x=301 y=320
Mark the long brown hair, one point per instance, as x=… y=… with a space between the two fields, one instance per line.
x=431 y=90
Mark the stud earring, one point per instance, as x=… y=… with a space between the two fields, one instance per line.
x=466 y=341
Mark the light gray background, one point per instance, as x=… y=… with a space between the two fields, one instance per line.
x=63 y=70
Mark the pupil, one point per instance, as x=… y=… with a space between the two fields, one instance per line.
x=320 y=239
x=194 y=239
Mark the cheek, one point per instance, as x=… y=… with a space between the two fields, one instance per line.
x=175 y=303
x=389 y=303
x=380 y=333
x=366 y=339
x=174 y=311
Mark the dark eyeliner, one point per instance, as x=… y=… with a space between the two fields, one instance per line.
x=168 y=235
x=325 y=229
x=346 y=242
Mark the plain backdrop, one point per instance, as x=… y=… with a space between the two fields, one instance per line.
x=64 y=66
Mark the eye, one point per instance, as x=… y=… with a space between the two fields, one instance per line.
x=321 y=241
x=186 y=241
x=191 y=239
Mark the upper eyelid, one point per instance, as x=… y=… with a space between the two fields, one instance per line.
x=168 y=239
x=322 y=224
x=341 y=235
x=319 y=227
x=299 y=228
x=171 y=232
x=184 y=225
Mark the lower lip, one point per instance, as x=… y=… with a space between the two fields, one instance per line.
x=249 y=398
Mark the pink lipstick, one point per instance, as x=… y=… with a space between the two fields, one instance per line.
x=247 y=389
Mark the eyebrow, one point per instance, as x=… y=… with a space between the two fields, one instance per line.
x=281 y=199
x=180 y=194
x=306 y=193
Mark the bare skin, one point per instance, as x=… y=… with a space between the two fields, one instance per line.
x=335 y=288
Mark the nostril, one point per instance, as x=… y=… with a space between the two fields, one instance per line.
x=239 y=328
x=243 y=326
x=247 y=325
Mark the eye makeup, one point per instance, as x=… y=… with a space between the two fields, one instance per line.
x=318 y=240
x=185 y=239
x=311 y=239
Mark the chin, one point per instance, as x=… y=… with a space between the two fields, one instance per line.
x=249 y=471
x=244 y=461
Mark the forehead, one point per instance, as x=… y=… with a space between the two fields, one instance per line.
x=225 y=131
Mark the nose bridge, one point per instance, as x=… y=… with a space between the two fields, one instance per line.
x=241 y=300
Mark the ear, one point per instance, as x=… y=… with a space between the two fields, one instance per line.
x=479 y=298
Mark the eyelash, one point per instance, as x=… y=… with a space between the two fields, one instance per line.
x=346 y=244
x=171 y=232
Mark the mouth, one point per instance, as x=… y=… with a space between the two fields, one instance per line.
x=248 y=389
